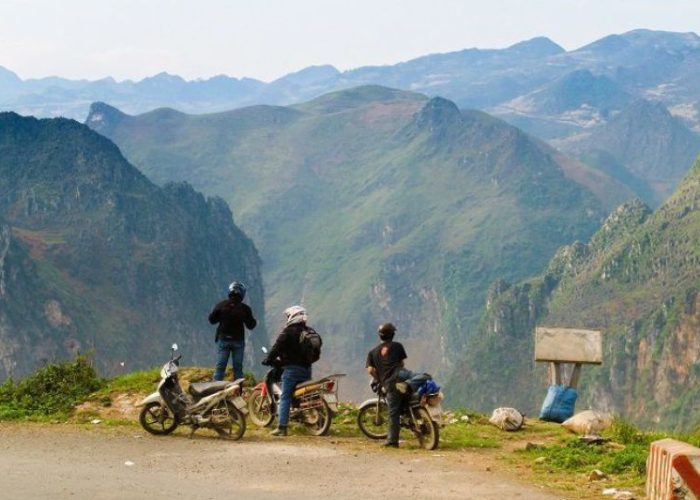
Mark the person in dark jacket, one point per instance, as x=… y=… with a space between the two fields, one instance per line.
x=385 y=364
x=287 y=352
x=232 y=315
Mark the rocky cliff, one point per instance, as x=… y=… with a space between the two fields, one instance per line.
x=94 y=257
x=637 y=280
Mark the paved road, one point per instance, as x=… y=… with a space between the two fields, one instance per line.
x=64 y=461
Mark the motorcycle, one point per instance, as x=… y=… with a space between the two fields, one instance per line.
x=214 y=405
x=420 y=414
x=314 y=402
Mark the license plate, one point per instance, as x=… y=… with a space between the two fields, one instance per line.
x=240 y=403
x=435 y=411
x=332 y=401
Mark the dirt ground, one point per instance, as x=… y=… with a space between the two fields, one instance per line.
x=122 y=462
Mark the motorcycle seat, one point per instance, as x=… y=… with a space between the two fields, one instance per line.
x=201 y=389
x=306 y=384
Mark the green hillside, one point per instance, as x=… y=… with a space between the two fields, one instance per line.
x=638 y=280
x=643 y=146
x=95 y=257
x=374 y=204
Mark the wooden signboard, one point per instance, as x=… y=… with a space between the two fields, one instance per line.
x=568 y=345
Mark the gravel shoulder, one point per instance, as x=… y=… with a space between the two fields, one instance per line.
x=70 y=461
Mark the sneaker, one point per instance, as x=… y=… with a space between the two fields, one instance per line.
x=390 y=445
x=280 y=431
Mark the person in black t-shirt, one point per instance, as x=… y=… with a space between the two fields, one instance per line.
x=384 y=364
x=232 y=315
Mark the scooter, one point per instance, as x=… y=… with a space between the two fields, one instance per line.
x=419 y=413
x=214 y=405
x=314 y=402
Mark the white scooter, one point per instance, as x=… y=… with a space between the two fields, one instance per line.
x=214 y=405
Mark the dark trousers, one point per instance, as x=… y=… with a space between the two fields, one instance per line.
x=394 y=401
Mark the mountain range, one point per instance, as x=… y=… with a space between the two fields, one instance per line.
x=372 y=204
x=570 y=99
x=645 y=64
x=96 y=258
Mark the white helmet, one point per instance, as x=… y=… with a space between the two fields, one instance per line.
x=295 y=314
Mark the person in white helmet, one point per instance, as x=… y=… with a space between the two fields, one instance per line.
x=288 y=352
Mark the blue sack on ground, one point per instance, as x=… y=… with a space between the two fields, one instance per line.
x=559 y=403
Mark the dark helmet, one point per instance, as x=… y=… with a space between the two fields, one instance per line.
x=386 y=331
x=237 y=288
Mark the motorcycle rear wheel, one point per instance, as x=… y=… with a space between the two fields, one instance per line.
x=157 y=419
x=372 y=421
x=426 y=430
x=234 y=428
x=318 y=420
x=260 y=409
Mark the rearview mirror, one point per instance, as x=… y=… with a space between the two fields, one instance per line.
x=264 y=349
x=174 y=347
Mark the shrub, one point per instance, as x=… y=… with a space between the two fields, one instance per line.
x=52 y=390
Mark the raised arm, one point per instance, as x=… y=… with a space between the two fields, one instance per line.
x=249 y=321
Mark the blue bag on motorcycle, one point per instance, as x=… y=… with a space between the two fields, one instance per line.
x=428 y=387
x=559 y=403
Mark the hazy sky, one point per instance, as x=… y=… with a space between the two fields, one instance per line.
x=266 y=39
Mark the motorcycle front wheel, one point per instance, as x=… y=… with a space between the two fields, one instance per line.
x=230 y=422
x=318 y=420
x=260 y=409
x=157 y=419
x=426 y=430
x=373 y=419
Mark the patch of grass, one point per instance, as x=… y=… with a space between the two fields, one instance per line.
x=574 y=455
x=141 y=381
x=465 y=435
x=53 y=390
x=623 y=457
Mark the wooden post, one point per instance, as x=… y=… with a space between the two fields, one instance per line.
x=555 y=373
x=575 y=375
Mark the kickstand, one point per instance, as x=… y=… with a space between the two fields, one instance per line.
x=192 y=431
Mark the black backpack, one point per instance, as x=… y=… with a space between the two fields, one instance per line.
x=310 y=345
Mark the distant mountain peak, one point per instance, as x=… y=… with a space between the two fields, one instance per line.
x=438 y=111
x=356 y=97
x=309 y=75
x=103 y=115
x=643 y=111
x=539 y=46
x=162 y=78
x=643 y=39
x=8 y=77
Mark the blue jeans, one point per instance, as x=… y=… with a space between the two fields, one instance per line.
x=235 y=348
x=291 y=376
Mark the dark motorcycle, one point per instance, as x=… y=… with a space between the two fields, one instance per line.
x=314 y=402
x=420 y=414
x=214 y=405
